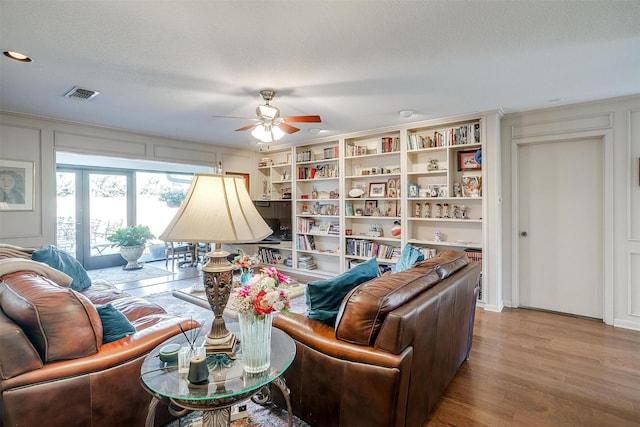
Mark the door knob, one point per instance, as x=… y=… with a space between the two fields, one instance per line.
x=524 y=233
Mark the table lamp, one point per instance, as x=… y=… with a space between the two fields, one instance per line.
x=217 y=209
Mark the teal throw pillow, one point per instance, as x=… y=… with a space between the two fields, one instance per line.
x=63 y=261
x=114 y=324
x=409 y=256
x=323 y=297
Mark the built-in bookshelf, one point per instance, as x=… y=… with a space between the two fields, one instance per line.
x=372 y=197
x=275 y=176
x=444 y=202
x=317 y=208
x=370 y=193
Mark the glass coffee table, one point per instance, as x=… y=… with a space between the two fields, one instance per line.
x=228 y=383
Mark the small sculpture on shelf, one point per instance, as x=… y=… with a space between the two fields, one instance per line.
x=463 y=212
x=437 y=236
x=417 y=211
x=437 y=210
x=427 y=210
x=432 y=164
x=445 y=210
x=457 y=190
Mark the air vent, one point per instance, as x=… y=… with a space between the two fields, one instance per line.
x=81 y=94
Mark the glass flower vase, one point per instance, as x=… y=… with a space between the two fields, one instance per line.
x=255 y=341
x=245 y=276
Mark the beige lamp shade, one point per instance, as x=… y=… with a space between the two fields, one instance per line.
x=217 y=209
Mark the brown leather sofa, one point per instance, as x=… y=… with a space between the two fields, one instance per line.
x=54 y=369
x=397 y=343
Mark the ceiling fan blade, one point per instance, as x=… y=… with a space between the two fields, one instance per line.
x=247 y=127
x=302 y=119
x=236 y=117
x=288 y=128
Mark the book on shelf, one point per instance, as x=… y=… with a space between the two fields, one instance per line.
x=306 y=242
x=307 y=262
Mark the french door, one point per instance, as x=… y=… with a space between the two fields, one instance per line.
x=91 y=205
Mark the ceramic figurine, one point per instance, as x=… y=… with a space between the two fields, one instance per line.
x=437 y=210
x=427 y=210
x=417 y=211
x=445 y=210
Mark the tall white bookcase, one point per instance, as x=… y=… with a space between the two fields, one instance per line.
x=436 y=182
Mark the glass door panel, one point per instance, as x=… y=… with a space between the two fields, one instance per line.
x=108 y=209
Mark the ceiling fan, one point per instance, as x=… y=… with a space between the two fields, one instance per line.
x=270 y=126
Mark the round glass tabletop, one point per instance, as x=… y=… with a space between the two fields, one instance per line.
x=227 y=378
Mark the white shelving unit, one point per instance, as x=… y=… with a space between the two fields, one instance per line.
x=351 y=194
x=317 y=206
x=372 y=165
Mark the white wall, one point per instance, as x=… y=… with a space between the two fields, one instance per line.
x=37 y=140
x=617 y=120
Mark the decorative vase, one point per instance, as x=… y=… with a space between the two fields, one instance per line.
x=131 y=254
x=255 y=341
x=245 y=276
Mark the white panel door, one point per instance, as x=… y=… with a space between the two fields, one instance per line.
x=560 y=196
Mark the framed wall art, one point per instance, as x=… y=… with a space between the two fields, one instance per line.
x=467 y=161
x=16 y=185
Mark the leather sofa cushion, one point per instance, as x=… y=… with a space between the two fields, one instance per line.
x=364 y=309
x=60 y=323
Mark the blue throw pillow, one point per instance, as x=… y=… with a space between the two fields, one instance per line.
x=409 y=256
x=114 y=324
x=323 y=297
x=63 y=261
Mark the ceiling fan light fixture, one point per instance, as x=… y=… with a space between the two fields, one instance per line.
x=267 y=133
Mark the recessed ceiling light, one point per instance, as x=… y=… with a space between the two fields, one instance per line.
x=17 y=56
x=405 y=114
x=314 y=131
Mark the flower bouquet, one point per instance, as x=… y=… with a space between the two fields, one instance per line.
x=263 y=295
x=255 y=304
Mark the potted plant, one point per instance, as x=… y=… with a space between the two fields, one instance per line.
x=173 y=197
x=131 y=241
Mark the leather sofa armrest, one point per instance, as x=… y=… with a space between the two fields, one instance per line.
x=321 y=337
x=22 y=356
x=160 y=328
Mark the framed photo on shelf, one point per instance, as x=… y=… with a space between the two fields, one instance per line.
x=412 y=190
x=392 y=187
x=472 y=186
x=378 y=189
x=467 y=160
x=390 y=208
x=348 y=209
x=370 y=207
x=16 y=185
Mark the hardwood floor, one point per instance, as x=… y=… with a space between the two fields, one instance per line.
x=531 y=368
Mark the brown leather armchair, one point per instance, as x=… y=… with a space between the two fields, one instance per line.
x=398 y=342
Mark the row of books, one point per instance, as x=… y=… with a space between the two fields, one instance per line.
x=475 y=256
x=270 y=256
x=306 y=242
x=367 y=248
x=467 y=134
x=318 y=171
x=308 y=155
x=388 y=144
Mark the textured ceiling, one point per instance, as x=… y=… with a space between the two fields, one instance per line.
x=165 y=67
